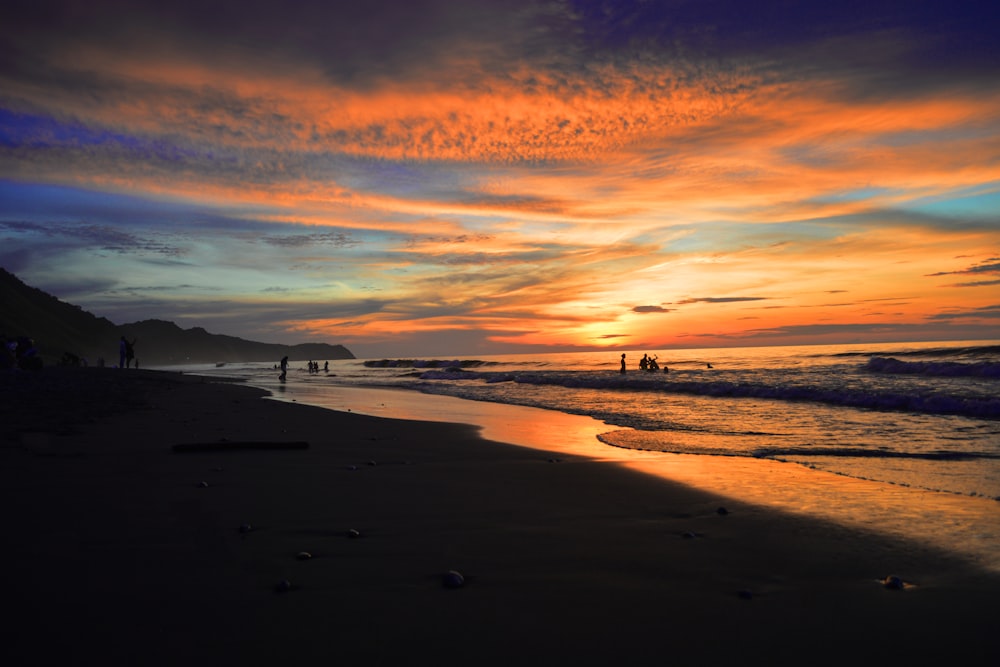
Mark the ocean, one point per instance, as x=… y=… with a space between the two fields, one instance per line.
x=901 y=438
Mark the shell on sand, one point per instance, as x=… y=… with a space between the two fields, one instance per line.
x=303 y=555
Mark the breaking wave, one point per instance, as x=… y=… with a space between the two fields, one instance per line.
x=982 y=369
x=968 y=351
x=929 y=402
x=428 y=363
x=857 y=452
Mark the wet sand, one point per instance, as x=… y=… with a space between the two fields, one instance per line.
x=121 y=548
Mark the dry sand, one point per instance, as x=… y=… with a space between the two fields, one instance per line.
x=119 y=549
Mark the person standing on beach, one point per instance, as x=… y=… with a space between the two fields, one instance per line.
x=622 y=371
x=130 y=353
x=8 y=356
x=284 y=368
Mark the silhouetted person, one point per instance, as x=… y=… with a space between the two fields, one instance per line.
x=284 y=368
x=122 y=350
x=8 y=356
x=622 y=371
x=28 y=357
x=644 y=362
x=130 y=353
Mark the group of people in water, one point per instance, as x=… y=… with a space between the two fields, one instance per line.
x=313 y=367
x=649 y=364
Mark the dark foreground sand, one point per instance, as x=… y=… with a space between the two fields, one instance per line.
x=118 y=549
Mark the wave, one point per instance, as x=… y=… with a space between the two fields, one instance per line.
x=643 y=442
x=428 y=363
x=855 y=452
x=734 y=445
x=983 y=407
x=966 y=351
x=983 y=369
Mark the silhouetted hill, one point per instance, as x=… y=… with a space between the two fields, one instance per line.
x=167 y=343
x=59 y=328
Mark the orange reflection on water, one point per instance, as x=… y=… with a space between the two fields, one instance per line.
x=969 y=526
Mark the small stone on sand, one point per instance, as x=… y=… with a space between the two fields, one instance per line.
x=453 y=579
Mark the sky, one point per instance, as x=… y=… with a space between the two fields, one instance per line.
x=440 y=178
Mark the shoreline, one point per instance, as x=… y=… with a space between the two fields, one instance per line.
x=965 y=525
x=122 y=549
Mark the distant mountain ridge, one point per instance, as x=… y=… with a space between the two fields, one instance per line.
x=59 y=328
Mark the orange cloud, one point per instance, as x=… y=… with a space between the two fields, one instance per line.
x=545 y=206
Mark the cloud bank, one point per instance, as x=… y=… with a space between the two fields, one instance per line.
x=507 y=175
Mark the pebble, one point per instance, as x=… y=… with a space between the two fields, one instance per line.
x=894 y=583
x=352 y=533
x=283 y=586
x=453 y=579
x=303 y=555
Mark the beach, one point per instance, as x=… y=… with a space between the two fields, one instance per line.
x=161 y=518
